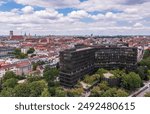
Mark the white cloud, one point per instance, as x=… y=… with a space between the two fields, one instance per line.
x=27 y=9
x=50 y=3
x=48 y=14
x=138 y=25
x=98 y=5
x=50 y=21
x=131 y=10
x=15 y=10
x=78 y=14
x=111 y=17
x=98 y=16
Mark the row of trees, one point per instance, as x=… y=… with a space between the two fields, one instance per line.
x=49 y=86
x=34 y=89
x=103 y=90
x=11 y=87
x=34 y=86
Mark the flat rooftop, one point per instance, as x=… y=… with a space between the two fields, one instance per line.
x=82 y=49
x=108 y=75
x=77 y=49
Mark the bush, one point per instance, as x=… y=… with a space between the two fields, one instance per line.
x=91 y=79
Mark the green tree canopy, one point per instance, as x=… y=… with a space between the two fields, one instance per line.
x=118 y=73
x=76 y=92
x=17 y=51
x=114 y=92
x=103 y=86
x=121 y=93
x=146 y=59
x=50 y=74
x=146 y=54
x=45 y=93
x=143 y=72
x=11 y=83
x=37 y=87
x=91 y=79
x=95 y=92
x=22 y=90
x=131 y=81
x=32 y=78
x=109 y=93
x=19 y=55
x=9 y=75
x=60 y=92
x=7 y=92
x=101 y=72
x=30 y=51
x=145 y=62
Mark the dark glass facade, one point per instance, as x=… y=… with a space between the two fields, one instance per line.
x=75 y=63
x=116 y=58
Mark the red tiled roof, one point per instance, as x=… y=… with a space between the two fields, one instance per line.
x=32 y=40
x=17 y=37
x=43 y=40
x=7 y=66
x=27 y=45
x=22 y=64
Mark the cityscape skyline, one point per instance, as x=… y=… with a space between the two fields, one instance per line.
x=74 y=66
x=77 y=17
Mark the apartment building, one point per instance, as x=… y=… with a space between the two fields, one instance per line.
x=77 y=62
x=74 y=64
x=6 y=52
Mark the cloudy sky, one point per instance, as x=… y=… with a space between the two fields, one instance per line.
x=75 y=17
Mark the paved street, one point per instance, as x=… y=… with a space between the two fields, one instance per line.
x=141 y=94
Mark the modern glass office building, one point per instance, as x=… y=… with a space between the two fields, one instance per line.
x=77 y=62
